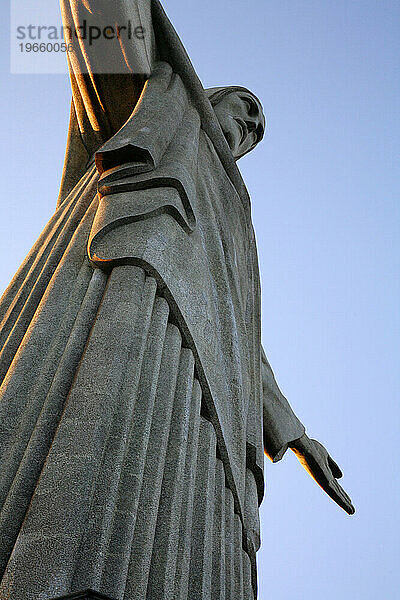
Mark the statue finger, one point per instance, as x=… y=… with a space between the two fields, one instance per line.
x=334 y=467
x=337 y=493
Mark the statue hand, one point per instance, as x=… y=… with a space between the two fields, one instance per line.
x=317 y=462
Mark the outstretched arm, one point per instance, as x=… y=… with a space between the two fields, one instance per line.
x=281 y=426
x=283 y=430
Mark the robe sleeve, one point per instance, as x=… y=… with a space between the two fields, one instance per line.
x=112 y=52
x=110 y=36
x=107 y=76
x=280 y=424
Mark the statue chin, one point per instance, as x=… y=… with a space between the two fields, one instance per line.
x=233 y=142
x=238 y=140
x=230 y=128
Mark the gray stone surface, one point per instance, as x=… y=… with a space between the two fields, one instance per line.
x=136 y=401
x=86 y=595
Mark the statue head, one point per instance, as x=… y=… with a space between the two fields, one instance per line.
x=241 y=117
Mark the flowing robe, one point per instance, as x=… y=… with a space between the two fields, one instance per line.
x=132 y=407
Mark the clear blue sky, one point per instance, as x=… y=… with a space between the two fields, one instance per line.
x=325 y=193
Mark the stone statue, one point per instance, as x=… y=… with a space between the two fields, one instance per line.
x=136 y=401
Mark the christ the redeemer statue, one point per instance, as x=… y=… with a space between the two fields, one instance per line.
x=136 y=400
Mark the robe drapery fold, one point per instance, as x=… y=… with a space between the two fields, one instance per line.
x=158 y=145
x=198 y=244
